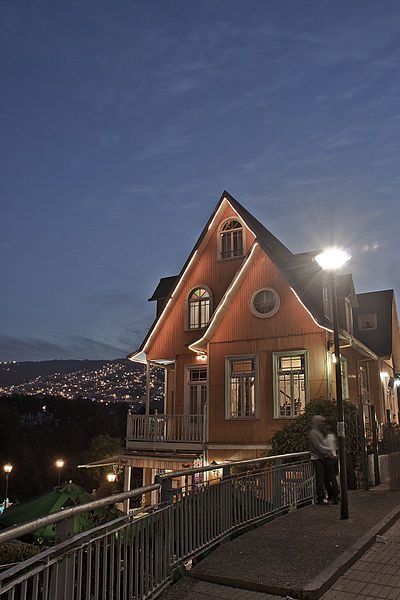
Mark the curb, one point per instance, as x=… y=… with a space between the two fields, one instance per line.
x=320 y=584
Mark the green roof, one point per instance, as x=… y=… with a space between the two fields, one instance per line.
x=62 y=496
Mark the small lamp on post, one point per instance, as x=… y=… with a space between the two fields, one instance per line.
x=7 y=470
x=59 y=465
x=331 y=260
x=111 y=477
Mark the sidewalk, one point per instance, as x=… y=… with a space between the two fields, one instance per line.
x=303 y=555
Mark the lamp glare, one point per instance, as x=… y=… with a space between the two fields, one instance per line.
x=332 y=259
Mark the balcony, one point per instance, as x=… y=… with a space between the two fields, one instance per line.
x=164 y=432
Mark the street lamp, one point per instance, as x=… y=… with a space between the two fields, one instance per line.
x=7 y=470
x=59 y=465
x=331 y=260
x=111 y=477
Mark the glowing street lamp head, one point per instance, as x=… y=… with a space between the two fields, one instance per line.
x=59 y=463
x=7 y=468
x=111 y=477
x=332 y=259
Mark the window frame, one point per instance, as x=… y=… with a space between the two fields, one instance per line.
x=275 y=374
x=200 y=286
x=253 y=309
x=220 y=234
x=228 y=362
x=186 y=402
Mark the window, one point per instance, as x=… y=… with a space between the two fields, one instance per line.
x=290 y=383
x=199 y=304
x=196 y=390
x=241 y=387
x=349 y=315
x=264 y=303
x=367 y=321
x=231 y=239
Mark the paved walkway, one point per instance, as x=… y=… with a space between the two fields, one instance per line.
x=259 y=564
x=376 y=575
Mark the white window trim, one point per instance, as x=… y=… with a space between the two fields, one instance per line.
x=187 y=311
x=219 y=238
x=271 y=312
x=275 y=374
x=228 y=360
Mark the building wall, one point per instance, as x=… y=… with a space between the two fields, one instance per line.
x=258 y=431
x=172 y=339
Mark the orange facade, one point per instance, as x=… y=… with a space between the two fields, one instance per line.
x=235 y=330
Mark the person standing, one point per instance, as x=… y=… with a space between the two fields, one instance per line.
x=331 y=465
x=319 y=455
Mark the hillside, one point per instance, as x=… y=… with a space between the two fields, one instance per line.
x=105 y=381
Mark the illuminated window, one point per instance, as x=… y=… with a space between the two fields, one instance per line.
x=231 y=239
x=264 y=303
x=241 y=387
x=290 y=383
x=199 y=308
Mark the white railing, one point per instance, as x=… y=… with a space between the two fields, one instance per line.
x=133 y=557
x=160 y=428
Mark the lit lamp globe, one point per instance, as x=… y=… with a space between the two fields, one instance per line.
x=59 y=465
x=332 y=259
x=7 y=470
x=111 y=477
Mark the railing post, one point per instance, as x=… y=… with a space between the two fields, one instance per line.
x=167 y=491
x=61 y=583
x=226 y=472
x=277 y=492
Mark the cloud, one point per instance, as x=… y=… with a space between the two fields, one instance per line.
x=79 y=347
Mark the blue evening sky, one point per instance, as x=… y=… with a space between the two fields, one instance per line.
x=122 y=122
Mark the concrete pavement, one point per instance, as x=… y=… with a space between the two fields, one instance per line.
x=304 y=554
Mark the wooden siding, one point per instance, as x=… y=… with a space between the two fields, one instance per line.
x=172 y=339
x=253 y=431
x=239 y=323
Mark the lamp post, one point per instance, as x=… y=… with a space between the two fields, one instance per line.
x=7 y=470
x=331 y=260
x=59 y=465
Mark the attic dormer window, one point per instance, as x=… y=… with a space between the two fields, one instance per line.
x=231 y=239
x=199 y=305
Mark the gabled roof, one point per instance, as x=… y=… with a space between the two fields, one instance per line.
x=301 y=272
x=379 y=339
x=164 y=288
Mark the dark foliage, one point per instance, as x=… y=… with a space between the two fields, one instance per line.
x=293 y=435
x=34 y=432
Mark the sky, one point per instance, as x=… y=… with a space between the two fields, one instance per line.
x=123 y=121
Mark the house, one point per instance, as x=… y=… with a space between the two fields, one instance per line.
x=245 y=336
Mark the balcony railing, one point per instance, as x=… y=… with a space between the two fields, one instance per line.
x=134 y=556
x=160 y=429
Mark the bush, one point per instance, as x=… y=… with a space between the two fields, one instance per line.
x=16 y=552
x=293 y=435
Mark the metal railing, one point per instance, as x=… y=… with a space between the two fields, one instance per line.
x=133 y=556
x=165 y=428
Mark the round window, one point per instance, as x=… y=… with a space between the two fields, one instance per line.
x=264 y=302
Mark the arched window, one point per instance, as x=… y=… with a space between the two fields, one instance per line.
x=231 y=239
x=199 y=308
